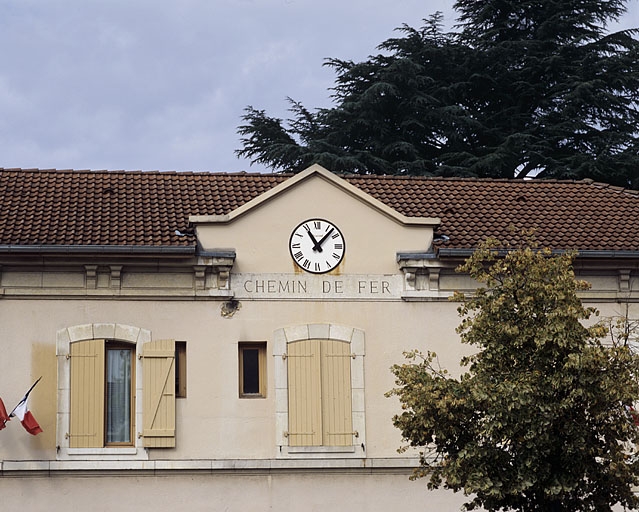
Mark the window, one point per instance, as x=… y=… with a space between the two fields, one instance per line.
x=252 y=370
x=116 y=394
x=102 y=404
x=319 y=391
x=180 y=369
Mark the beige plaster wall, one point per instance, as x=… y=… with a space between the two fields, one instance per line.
x=212 y=422
x=286 y=492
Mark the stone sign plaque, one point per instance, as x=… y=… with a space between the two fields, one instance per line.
x=319 y=287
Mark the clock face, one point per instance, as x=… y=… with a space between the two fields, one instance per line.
x=317 y=246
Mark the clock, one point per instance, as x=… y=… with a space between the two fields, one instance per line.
x=317 y=246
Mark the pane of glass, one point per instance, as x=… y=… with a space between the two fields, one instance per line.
x=118 y=396
x=251 y=370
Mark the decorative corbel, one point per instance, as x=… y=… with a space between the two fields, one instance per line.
x=433 y=279
x=224 y=278
x=410 y=278
x=624 y=280
x=91 y=276
x=116 y=273
x=214 y=269
x=199 y=276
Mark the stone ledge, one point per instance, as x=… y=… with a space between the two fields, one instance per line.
x=11 y=468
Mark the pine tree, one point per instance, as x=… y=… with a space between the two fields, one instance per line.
x=523 y=88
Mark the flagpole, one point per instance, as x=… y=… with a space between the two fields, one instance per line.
x=24 y=397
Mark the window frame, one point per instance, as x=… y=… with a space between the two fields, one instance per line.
x=180 y=369
x=260 y=346
x=119 y=345
x=356 y=340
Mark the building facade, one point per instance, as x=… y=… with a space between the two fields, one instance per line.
x=223 y=341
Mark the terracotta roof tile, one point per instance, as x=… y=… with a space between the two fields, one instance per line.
x=124 y=208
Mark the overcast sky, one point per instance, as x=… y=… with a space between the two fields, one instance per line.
x=162 y=85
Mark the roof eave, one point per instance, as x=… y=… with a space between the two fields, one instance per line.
x=586 y=253
x=97 y=249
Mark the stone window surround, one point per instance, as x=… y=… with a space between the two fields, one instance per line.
x=356 y=338
x=111 y=331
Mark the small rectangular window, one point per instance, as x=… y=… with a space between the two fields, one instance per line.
x=180 y=369
x=252 y=369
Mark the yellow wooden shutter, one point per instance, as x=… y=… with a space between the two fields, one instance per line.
x=304 y=394
x=337 y=415
x=86 y=421
x=158 y=367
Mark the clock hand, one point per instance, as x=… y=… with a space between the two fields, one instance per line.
x=316 y=246
x=321 y=242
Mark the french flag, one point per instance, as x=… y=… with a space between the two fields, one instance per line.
x=23 y=413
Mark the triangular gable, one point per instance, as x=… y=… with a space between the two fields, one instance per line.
x=313 y=172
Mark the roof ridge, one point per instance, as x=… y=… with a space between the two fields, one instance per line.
x=463 y=178
x=347 y=176
x=139 y=171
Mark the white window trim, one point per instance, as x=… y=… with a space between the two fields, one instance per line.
x=113 y=331
x=355 y=337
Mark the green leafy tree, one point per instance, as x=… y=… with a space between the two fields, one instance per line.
x=523 y=88
x=541 y=417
